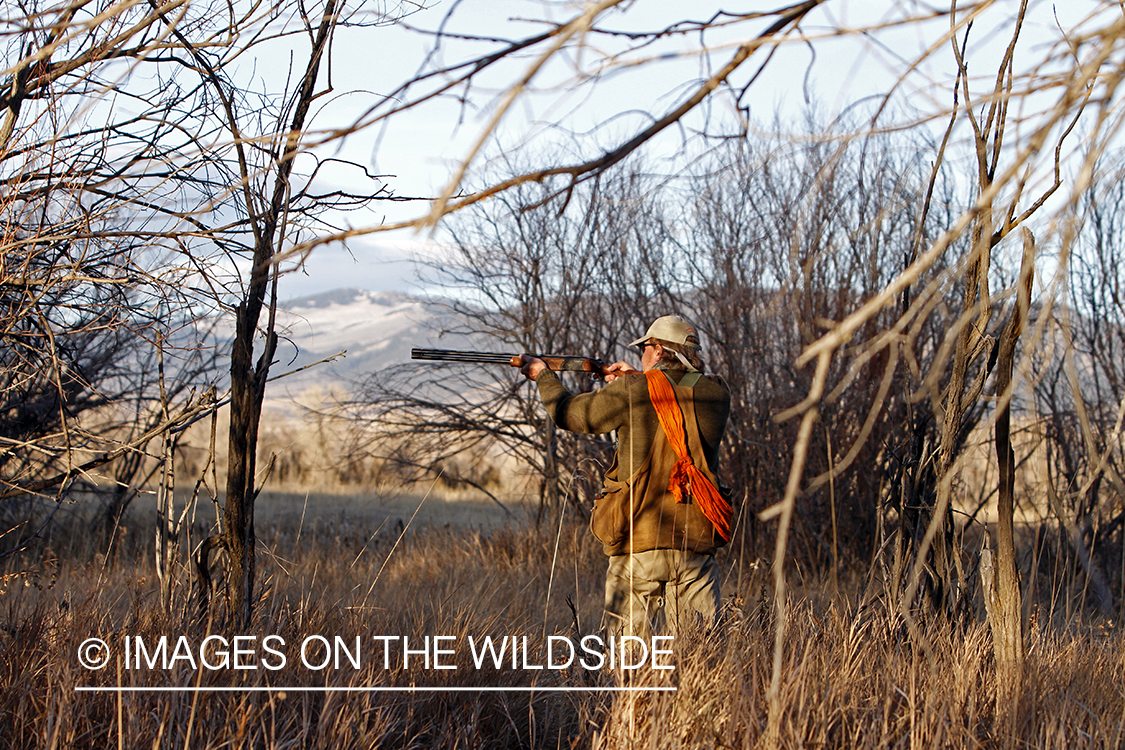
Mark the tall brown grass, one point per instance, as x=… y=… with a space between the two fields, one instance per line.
x=854 y=675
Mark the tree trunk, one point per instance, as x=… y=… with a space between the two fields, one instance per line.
x=167 y=531
x=247 y=390
x=1001 y=579
x=550 y=501
x=248 y=381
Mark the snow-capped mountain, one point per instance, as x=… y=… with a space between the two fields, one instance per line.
x=377 y=330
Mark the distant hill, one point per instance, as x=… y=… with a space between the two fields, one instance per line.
x=377 y=329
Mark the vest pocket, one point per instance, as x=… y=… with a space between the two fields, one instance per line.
x=609 y=522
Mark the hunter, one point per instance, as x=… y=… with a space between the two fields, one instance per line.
x=660 y=515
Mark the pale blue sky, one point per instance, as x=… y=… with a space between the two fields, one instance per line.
x=420 y=149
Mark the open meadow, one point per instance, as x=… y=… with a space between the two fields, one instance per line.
x=350 y=580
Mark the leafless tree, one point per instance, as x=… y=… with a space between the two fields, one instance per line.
x=535 y=275
x=1077 y=402
x=785 y=235
x=151 y=181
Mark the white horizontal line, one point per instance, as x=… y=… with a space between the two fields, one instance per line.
x=376 y=689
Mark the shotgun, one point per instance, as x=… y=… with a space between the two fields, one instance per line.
x=595 y=367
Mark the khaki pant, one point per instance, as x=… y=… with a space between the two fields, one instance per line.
x=661 y=591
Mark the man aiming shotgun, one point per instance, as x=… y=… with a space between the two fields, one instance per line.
x=660 y=515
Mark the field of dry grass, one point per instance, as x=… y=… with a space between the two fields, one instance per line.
x=854 y=676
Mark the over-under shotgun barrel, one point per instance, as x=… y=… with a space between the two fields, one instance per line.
x=555 y=362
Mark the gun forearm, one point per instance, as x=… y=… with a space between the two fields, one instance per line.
x=572 y=364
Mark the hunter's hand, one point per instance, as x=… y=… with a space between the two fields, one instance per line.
x=531 y=366
x=617 y=369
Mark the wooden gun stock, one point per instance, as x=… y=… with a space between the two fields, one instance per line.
x=558 y=363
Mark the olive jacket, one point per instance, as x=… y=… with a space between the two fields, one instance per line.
x=635 y=512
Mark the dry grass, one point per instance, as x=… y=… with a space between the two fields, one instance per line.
x=854 y=677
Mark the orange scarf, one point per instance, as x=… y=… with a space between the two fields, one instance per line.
x=687 y=480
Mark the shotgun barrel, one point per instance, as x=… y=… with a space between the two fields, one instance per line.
x=558 y=363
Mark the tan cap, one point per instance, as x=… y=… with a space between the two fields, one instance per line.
x=671 y=328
